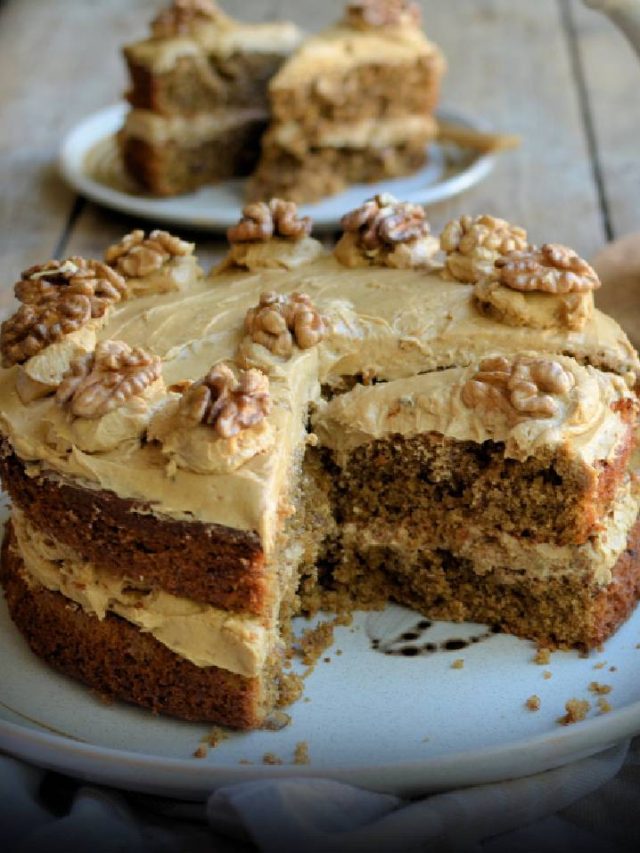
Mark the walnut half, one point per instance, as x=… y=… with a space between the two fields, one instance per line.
x=279 y=321
x=179 y=18
x=107 y=378
x=263 y=220
x=384 y=221
x=474 y=244
x=523 y=387
x=137 y=255
x=227 y=404
x=553 y=268
x=58 y=298
x=365 y=14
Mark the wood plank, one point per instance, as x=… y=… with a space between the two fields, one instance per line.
x=58 y=61
x=509 y=63
x=612 y=75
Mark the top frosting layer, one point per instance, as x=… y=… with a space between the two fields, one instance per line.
x=341 y=48
x=220 y=39
x=381 y=323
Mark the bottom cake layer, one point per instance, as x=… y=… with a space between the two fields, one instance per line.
x=327 y=171
x=118 y=660
x=170 y=168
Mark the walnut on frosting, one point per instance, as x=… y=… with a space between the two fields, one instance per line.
x=473 y=245
x=366 y=14
x=58 y=298
x=263 y=220
x=107 y=378
x=523 y=387
x=279 y=321
x=553 y=268
x=180 y=17
x=386 y=231
x=137 y=255
x=227 y=404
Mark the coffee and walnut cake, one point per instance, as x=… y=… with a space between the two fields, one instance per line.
x=352 y=104
x=193 y=459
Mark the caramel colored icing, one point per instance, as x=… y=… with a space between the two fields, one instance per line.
x=204 y=635
x=536 y=310
x=157 y=129
x=381 y=322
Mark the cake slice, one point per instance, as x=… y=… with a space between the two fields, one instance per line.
x=198 y=92
x=353 y=104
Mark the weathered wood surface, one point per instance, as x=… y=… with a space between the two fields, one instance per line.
x=555 y=73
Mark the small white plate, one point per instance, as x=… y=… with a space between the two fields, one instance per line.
x=387 y=722
x=91 y=164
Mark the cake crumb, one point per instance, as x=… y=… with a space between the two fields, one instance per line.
x=276 y=721
x=577 y=710
x=202 y=751
x=546 y=674
x=306 y=699
x=613 y=669
x=533 y=703
x=314 y=641
x=245 y=761
x=338 y=652
x=271 y=758
x=600 y=665
x=604 y=705
x=103 y=698
x=301 y=753
x=458 y=663
x=542 y=656
x=291 y=687
x=600 y=689
x=327 y=660
x=215 y=736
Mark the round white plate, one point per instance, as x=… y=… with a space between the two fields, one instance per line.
x=388 y=722
x=90 y=163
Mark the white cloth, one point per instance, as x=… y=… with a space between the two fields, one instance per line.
x=590 y=805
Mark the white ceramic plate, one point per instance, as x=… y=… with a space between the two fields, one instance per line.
x=388 y=722
x=90 y=163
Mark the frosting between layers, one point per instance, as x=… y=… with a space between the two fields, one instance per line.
x=383 y=323
x=204 y=635
x=367 y=133
x=158 y=129
x=512 y=558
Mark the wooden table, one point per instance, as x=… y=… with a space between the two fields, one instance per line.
x=552 y=71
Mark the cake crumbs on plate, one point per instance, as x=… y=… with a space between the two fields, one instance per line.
x=301 y=753
x=215 y=736
x=245 y=761
x=604 y=705
x=547 y=674
x=613 y=669
x=276 y=721
x=600 y=665
x=542 y=656
x=577 y=710
x=458 y=663
x=313 y=641
x=291 y=687
x=533 y=703
x=202 y=751
x=271 y=758
x=600 y=689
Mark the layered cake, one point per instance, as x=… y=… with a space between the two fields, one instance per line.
x=198 y=96
x=353 y=104
x=446 y=422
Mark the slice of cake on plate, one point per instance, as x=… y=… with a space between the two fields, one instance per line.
x=198 y=93
x=354 y=104
x=194 y=459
